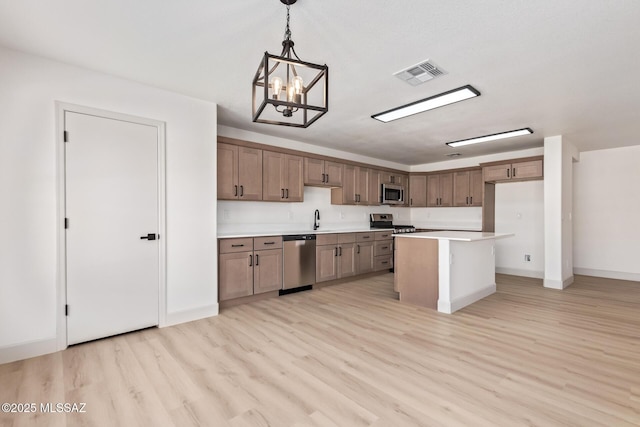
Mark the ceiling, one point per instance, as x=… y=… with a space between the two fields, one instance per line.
x=560 y=67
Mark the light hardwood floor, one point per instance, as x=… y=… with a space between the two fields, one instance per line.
x=352 y=355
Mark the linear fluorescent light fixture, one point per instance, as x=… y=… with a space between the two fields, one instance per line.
x=445 y=98
x=492 y=137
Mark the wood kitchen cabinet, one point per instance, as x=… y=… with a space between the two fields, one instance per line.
x=249 y=266
x=515 y=171
x=383 y=250
x=364 y=252
x=440 y=190
x=418 y=190
x=323 y=173
x=355 y=187
x=282 y=177
x=375 y=189
x=394 y=178
x=335 y=256
x=239 y=173
x=467 y=188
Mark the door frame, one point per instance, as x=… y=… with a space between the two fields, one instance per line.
x=61 y=280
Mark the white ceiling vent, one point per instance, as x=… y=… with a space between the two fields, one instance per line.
x=420 y=73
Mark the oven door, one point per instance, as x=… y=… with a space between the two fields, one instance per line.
x=392 y=194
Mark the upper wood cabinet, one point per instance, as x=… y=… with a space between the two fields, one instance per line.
x=467 y=188
x=440 y=190
x=282 y=177
x=239 y=173
x=355 y=187
x=394 y=178
x=514 y=171
x=418 y=190
x=375 y=189
x=322 y=172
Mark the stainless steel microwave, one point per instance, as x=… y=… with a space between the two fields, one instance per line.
x=392 y=194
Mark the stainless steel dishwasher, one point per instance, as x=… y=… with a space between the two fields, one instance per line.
x=299 y=262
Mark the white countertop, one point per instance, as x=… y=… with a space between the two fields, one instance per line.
x=287 y=233
x=462 y=236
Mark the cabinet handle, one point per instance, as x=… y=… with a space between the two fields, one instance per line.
x=471 y=200
x=411 y=201
x=366 y=237
x=336 y=251
x=257 y=260
x=323 y=175
x=250 y=260
x=508 y=172
x=237 y=246
x=358 y=248
x=241 y=190
x=236 y=191
x=514 y=172
x=384 y=262
x=340 y=247
x=384 y=247
x=287 y=194
x=467 y=199
x=327 y=181
x=269 y=243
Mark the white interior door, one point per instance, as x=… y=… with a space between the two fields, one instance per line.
x=111 y=186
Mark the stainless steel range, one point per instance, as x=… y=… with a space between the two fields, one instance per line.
x=386 y=221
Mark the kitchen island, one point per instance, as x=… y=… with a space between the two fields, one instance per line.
x=445 y=270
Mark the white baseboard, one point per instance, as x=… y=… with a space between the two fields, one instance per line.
x=520 y=272
x=558 y=284
x=635 y=277
x=28 y=350
x=190 y=315
x=461 y=302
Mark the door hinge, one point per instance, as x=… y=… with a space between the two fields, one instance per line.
x=66 y=223
x=65 y=136
x=66 y=309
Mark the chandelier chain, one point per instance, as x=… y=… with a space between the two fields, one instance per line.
x=287 y=32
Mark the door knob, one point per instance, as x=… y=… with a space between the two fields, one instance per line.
x=150 y=236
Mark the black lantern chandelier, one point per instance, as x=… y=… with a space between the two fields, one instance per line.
x=296 y=91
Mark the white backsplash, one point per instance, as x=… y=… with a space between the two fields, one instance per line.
x=448 y=218
x=248 y=217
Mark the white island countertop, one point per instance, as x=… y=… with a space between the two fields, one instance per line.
x=233 y=235
x=460 y=236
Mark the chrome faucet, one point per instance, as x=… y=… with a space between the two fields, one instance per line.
x=316 y=220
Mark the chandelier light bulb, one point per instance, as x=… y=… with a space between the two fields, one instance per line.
x=298 y=85
x=276 y=85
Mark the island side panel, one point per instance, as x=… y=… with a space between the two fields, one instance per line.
x=416 y=269
x=472 y=272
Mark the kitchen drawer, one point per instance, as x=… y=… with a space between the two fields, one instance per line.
x=346 y=237
x=228 y=246
x=326 y=239
x=382 y=263
x=269 y=242
x=384 y=235
x=382 y=247
x=364 y=237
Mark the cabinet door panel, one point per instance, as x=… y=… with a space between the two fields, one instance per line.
x=272 y=176
x=267 y=271
x=347 y=260
x=433 y=190
x=227 y=172
x=334 y=173
x=446 y=189
x=250 y=173
x=497 y=173
x=363 y=186
x=349 y=181
x=418 y=191
x=313 y=171
x=475 y=187
x=364 y=260
x=236 y=275
x=531 y=169
x=461 y=188
x=293 y=179
x=326 y=263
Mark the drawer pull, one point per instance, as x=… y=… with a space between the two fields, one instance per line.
x=250 y=260
x=384 y=262
x=384 y=247
x=257 y=259
x=366 y=237
x=269 y=243
x=237 y=246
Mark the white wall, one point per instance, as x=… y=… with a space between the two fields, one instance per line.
x=520 y=210
x=29 y=86
x=607 y=213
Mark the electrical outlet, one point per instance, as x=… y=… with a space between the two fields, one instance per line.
x=527 y=258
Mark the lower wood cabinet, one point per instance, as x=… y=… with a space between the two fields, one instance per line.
x=364 y=252
x=383 y=251
x=335 y=256
x=246 y=268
